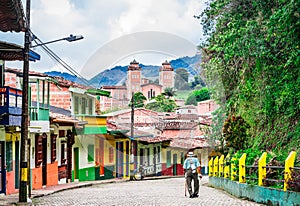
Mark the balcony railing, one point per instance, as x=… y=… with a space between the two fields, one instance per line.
x=41 y=113
x=10 y=106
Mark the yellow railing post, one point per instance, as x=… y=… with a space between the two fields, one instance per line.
x=242 y=168
x=289 y=163
x=216 y=167
x=262 y=170
x=227 y=167
x=221 y=166
x=211 y=167
x=233 y=172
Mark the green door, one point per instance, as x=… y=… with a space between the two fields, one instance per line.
x=17 y=162
x=174 y=164
x=76 y=163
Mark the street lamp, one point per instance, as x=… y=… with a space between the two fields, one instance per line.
x=69 y=39
x=24 y=166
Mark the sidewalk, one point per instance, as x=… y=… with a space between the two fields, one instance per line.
x=13 y=199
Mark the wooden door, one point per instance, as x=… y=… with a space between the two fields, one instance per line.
x=76 y=163
x=2 y=168
x=44 y=162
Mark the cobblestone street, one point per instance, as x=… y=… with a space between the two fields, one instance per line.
x=148 y=192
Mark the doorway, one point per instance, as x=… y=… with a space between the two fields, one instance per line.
x=2 y=168
x=127 y=158
x=76 y=163
x=101 y=156
x=154 y=159
x=174 y=164
x=119 y=155
x=44 y=162
x=17 y=164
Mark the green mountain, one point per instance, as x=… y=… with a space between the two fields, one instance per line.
x=117 y=75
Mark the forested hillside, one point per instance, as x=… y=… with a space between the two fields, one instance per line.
x=251 y=61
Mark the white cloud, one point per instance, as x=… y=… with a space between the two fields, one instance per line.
x=100 y=22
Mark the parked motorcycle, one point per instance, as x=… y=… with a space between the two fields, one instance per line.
x=139 y=173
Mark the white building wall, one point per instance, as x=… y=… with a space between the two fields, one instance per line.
x=82 y=142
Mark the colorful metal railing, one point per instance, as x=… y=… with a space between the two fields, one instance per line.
x=220 y=167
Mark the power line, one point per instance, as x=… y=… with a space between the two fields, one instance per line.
x=57 y=59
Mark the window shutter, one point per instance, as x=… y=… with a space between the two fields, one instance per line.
x=38 y=150
x=90 y=153
x=53 y=147
x=61 y=133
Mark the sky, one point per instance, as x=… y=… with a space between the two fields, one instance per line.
x=115 y=32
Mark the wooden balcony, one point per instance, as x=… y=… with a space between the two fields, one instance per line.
x=10 y=106
x=39 y=113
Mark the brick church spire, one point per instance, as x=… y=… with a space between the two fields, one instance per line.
x=166 y=75
x=134 y=79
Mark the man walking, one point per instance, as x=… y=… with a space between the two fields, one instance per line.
x=191 y=168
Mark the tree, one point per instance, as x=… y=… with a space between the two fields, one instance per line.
x=191 y=100
x=138 y=100
x=251 y=62
x=198 y=96
x=161 y=104
x=169 y=92
x=198 y=81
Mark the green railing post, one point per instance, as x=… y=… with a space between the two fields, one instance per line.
x=216 y=167
x=233 y=169
x=227 y=167
x=262 y=170
x=221 y=166
x=211 y=167
x=289 y=163
x=242 y=168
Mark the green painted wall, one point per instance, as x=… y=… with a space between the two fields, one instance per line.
x=93 y=173
x=87 y=174
x=256 y=193
x=108 y=173
x=95 y=130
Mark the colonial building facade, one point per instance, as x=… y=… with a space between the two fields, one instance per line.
x=121 y=95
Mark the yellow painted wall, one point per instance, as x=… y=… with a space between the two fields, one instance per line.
x=101 y=121
x=173 y=151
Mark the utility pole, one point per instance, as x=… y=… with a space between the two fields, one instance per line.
x=25 y=121
x=132 y=137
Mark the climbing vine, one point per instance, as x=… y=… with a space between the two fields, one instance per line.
x=251 y=59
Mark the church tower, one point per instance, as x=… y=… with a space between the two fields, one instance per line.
x=134 y=79
x=166 y=75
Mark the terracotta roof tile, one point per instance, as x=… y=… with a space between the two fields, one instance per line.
x=12 y=16
x=189 y=143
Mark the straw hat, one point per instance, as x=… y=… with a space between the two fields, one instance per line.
x=190 y=154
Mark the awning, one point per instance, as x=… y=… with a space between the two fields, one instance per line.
x=98 y=92
x=12 y=16
x=13 y=52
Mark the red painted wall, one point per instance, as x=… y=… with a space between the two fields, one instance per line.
x=10 y=183
x=52 y=174
x=169 y=171
x=36 y=178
